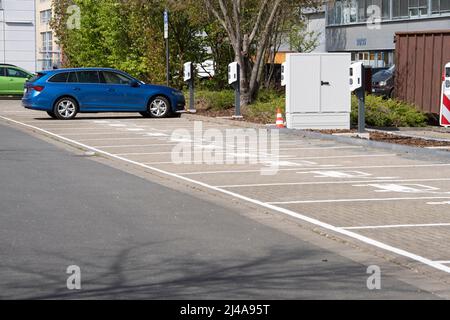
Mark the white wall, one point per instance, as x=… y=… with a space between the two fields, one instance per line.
x=17 y=33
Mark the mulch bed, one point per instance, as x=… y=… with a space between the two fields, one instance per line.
x=409 y=141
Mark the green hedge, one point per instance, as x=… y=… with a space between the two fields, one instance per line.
x=388 y=113
x=379 y=112
x=213 y=100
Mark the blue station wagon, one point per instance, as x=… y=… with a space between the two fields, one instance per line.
x=63 y=93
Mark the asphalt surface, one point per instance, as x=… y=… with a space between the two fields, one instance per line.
x=136 y=239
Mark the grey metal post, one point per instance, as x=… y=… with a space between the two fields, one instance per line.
x=237 y=88
x=361 y=94
x=166 y=36
x=191 y=94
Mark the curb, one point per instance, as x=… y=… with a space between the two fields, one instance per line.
x=372 y=144
x=416 y=151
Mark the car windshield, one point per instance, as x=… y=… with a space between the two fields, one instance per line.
x=382 y=75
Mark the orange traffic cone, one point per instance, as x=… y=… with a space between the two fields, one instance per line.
x=280 y=121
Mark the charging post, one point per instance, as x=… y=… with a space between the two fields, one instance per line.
x=190 y=80
x=234 y=79
x=357 y=84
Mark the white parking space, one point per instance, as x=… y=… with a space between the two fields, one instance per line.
x=391 y=201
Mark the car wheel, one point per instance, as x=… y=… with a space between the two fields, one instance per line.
x=51 y=114
x=159 y=107
x=65 y=109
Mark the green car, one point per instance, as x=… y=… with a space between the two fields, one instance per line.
x=12 y=79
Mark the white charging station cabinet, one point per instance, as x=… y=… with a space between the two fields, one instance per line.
x=233 y=72
x=356 y=76
x=188 y=70
x=317 y=90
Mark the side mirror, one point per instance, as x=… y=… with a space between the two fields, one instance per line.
x=135 y=84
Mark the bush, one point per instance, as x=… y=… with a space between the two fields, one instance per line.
x=264 y=109
x=388 y=113
x=379 y=112
x=213 y=100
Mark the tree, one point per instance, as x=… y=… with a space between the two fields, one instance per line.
x=249 y=25
x=128 y=35
x=302 y=40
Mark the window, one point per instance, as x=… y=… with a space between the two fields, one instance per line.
x=115 y=78
x=440 y=6
x=418 y=8
x=72 y=77
x=46 y=16
x=351 y=11
x=375 y=59
x=410 y=8
x=60 y=77
x=36 y=77
x=400 y=9
x=2 y=71
x=47 y=41
x=386 y=9
x=447 y=72
x=15 y=73
x=88 y=77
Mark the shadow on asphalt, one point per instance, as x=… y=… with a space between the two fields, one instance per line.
x=10 y=98
x=279 y=274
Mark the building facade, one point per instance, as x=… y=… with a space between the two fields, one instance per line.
x=18 y=33
x=366 y=28
x=316 y=23
x=48 y=52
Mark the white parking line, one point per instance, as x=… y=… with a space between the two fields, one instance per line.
x=327 y=182
x=139 y=145
x=106 y=133
x=117 y=139
x=335 y=167
x=269 y=206
x=322 y=148
x=443 y=262
x=293 y=159
x=74 y=129
x=399 y=226
x=354 y=200
x=233 y=149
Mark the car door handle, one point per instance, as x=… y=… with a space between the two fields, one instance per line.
x=324 y=83
x=76 y=89
x=111 y=90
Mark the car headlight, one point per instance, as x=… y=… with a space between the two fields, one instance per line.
x=383 y=83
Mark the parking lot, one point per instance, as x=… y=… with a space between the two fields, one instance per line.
x=394 y=202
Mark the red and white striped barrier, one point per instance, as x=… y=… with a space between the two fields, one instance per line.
x=445 y=101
